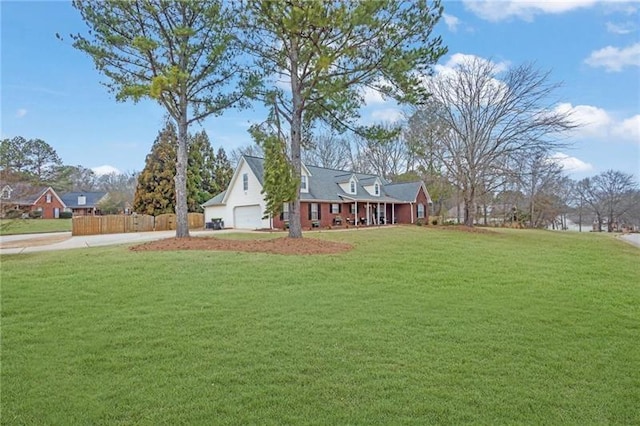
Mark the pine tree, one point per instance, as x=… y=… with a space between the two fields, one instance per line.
x=155 y=192
x=200 y=171
x=222 y=173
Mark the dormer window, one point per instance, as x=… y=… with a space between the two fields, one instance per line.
x=82 y=200
x=6 y=192
x=377 y=189
x=303 y=183
x=352 y=186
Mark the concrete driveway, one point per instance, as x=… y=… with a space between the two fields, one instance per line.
x=31 y=243
x=631 y=239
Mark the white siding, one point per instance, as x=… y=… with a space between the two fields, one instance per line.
x=237 y=197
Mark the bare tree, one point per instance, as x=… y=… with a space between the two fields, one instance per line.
x=610 y=195
x=328 y=150
x=489 y=120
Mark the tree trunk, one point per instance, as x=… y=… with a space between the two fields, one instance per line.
x=182 y=224
x=295 y=225
x=469 y=208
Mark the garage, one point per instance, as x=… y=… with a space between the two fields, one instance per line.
x=247 y=217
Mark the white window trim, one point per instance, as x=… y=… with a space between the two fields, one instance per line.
x=245 y=181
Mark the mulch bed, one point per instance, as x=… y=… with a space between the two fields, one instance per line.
x=286 y=246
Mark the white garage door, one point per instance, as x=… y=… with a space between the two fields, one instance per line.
x=247 y=217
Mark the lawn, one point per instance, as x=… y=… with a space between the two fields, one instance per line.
x=414 y=326
x=33 y=226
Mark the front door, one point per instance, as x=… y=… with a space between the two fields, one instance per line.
x=56 y=213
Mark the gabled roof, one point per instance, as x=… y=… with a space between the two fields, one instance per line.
x=217 y=200
x=70 y=199
x=24 y=194
x=325 y=186
x=406 y=191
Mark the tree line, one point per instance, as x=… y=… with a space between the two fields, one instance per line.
x=477 y=133
x=150 y=191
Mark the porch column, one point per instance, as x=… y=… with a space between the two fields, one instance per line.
x=356 y=219
x=393 y=213
x=411 y=206
x=368 y=214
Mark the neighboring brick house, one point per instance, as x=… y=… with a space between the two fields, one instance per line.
x=83 y=203
x=328 y=198
x=28 y=198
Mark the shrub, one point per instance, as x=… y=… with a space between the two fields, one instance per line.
x=65 y=215
x=13 y=214
x=35 y=214
x=420 y=222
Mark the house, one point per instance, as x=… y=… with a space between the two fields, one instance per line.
x=83 y=203
x=328 y=198
x=29 y=199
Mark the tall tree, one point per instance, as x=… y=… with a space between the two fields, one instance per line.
x=610 y=195
x=155 y=191
x=328 y=52
x=14 y=155
x=120 y=188
x=222 y=173
x=328 y=150
x=43 y=160
x=488 y=120
x=74 y=178
x=200 y=174
x=180 y=53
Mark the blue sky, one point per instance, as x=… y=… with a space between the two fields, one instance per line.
x=51 y=91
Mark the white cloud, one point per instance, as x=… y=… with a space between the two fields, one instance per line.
x=629 y=129
x=526 y=10
x=105 y=170
x=591 y=121
x=623 y=28
x=615 y=59
x=389 y=115
x=21 y=113
x=451 y=21
x=571 y=164
x=594 y=122
x=462 y=58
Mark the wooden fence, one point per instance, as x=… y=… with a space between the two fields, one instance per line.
x=115 y=224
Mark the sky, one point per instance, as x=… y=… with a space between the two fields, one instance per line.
x=51 y=91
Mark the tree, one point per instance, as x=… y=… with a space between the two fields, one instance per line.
x=43 y=160
x=329 y=151
x=155 y=191
x=180 y=53
x=328 y=52
x=489 y=120
x=222 y=173
x=120 y=188
x=385 y=156
x=32 y=160
x=74 y=178
x=610 y=194
x=200 y=172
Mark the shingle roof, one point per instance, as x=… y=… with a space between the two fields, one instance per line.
x=324 y=185
x=217 y=200
x=23 y=193
x=70 y=199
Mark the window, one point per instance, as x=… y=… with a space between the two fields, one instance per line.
x=353 y=208
x=303 y=182
x=6 y=192
x=352 y=186
x=285 y=212
x=314 y=211
x=82 y=200
x=376 y=189
x=245 y=181
x=48 y=197
x=420 y=211
x=335 y=208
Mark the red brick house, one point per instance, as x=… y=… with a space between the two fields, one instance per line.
x=328 y=198
x=27 y=198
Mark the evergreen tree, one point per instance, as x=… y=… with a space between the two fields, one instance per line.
x=155 y=192
x=222 y=173
x=200 y=171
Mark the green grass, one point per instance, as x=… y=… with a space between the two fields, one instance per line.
x=414 y=326
x=33 y=226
